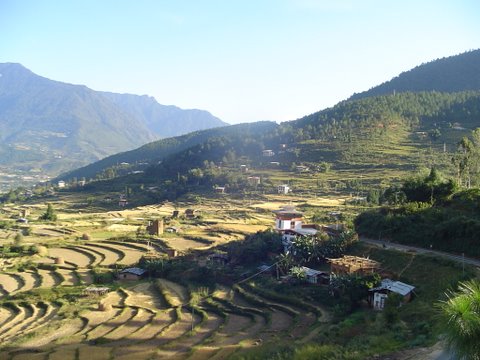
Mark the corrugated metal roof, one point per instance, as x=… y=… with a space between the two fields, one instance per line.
x=134 y=270
x=394 y=286
x=312 y=272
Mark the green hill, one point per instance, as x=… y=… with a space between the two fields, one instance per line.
x=450 y=74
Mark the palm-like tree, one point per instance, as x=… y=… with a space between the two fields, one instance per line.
x=461 y=314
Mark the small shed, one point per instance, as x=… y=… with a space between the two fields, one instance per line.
x=171 y=253
x=244 y=168
x=380 y=293
x=316 y=276
x=172 y=229
x=134 y=273
x=61 y=184
x=219 y=258
x=268 y=153
x=283 y=189
x=175 y=213
x=92 y=291
x=190 y=213
x=219 y=189
x=254 y=180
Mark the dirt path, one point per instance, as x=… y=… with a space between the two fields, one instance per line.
x=400 y=247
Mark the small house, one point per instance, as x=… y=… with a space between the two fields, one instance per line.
x=171 y=253
x=24 y=213
x=155 y=227
x=172 y=229
x=81 y=183
x=274 y=163
x=190 y=213
x=219 y=258
x=134 y=273
x=254 y=180
x=243 y=168
x=268 y=153
x=92 y=291
x=379 y=294
x=313 y=276
x=302 y=168
x=61 y=184
x=219 y=189
x=283 y=189
x=175 y=213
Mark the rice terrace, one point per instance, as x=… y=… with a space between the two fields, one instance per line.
x=71 y=291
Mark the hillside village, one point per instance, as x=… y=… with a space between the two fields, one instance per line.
x=348 y=234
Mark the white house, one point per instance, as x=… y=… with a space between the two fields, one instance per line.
x=268 y=153
x=61 y=184
x=289 y=223
x=283 y=189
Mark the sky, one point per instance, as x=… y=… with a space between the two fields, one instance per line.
x=242 y=60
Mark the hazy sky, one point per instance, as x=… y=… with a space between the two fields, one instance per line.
x=243 y=60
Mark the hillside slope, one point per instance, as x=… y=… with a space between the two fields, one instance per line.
x=450 y=74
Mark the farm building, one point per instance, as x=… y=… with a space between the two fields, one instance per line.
x=24 y=213
x=243 y=168
x=61 y=184
x=175 y=213
x=253 y=180
x=380 y=293
x=268 y=153
x=134 y=273
x=283 y=189
x=155 y=227
x=190 y=213
x=349 y=264
x=122 y=201
x=219 y=189
x=316 y=276
x=95 y=291
x=171 y=253
x=219 y=258
x=172 y=229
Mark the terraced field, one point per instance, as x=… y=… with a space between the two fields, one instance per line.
x=153 y=320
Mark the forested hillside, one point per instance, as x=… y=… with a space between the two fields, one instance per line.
x=381 y=138
x=451 y=74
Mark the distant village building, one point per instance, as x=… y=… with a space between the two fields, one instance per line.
x=349 y=264
x=219 y=189
x=380 y=293
x=219 y=259
x=122 y=201
x=268 y=153
x=61 y=184
x=155 y=227
x=190 y=213
x=175 y=213
x=134 y=273
x=253 y=180
x=243 y=168
x=289 y=223
x=301 y=168
x=172 y=229
x=81 y=183
x=283 y=189
x=171 y=253
x=24 y=213
x=274 y=163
